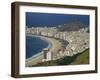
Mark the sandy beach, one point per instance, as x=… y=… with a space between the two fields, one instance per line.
x=38 y=57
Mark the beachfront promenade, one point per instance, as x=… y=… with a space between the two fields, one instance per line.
x=72 y=42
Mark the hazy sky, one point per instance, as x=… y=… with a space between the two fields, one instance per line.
x=48 y=19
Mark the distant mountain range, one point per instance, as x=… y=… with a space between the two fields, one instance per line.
x=72 y=26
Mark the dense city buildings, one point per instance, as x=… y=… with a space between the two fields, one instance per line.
x=73 y=42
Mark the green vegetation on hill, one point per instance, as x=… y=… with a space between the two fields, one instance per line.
x=83 y=58
x=80 y=58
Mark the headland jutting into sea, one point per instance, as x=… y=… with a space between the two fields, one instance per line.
x=63 y=43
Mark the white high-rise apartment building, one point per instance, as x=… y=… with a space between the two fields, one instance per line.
x=47 y=54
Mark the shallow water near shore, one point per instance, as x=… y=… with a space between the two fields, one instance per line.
x=34 y=45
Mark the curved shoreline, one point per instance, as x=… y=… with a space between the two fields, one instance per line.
x=39 y=53
x=39 y=56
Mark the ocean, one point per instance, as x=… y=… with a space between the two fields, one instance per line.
x=34 y=45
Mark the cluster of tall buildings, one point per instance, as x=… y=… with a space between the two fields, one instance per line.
x=78 y=41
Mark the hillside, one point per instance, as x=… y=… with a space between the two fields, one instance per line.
x=71 y=26
x=80 y=58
